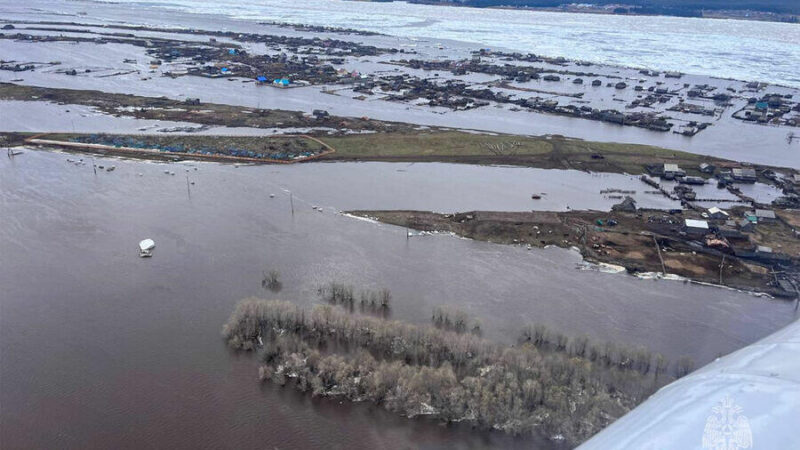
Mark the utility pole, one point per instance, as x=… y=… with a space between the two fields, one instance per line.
x=94 y=166
x=291 y=202
x=188 y=190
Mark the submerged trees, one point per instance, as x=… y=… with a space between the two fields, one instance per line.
x=534 y=387
x=272 y=281
x=377 y=302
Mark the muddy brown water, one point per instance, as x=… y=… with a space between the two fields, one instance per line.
x=102 y=349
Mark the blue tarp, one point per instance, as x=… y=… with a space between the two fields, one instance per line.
x=261 y=79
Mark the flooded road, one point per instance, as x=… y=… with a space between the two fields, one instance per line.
x=101 y=348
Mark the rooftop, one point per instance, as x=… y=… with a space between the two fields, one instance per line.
x=765 y=213
x=692 y=223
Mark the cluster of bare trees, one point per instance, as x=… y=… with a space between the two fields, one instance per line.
x=546 y=388
x=453 y=319
x=272 y=281
x=608 y=354
x=377 y=302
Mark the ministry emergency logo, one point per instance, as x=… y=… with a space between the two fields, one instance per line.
x=727 y=428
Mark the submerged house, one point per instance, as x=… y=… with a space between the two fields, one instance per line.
x=261 y=79
x=281 y=82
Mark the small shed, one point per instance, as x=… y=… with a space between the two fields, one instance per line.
x=672 y=170
x=695 y=227
x=717 y=214
x=765 y=215
x=707 y=168
x=746 y=225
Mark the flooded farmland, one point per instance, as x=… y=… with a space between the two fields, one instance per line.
x=119 y=351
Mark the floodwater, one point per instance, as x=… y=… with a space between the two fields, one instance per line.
x=727 y=138
x=101 y=348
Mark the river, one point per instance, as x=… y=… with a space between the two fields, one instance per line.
x=101 y=348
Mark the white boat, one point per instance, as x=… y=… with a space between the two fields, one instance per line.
x=146 y=248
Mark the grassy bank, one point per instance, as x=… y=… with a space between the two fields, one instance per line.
x=544 y=152
x=427 y=146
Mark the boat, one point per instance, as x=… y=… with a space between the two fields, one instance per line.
x=146 y=248
x=536 y=197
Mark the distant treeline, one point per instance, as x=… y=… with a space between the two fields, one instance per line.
x=546 y=385
x=687 y=8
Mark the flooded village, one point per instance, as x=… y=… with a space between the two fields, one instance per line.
x=624 y=225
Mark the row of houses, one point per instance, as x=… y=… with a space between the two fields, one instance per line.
x=741 y=175
x=746 y=224
x=729 y=236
